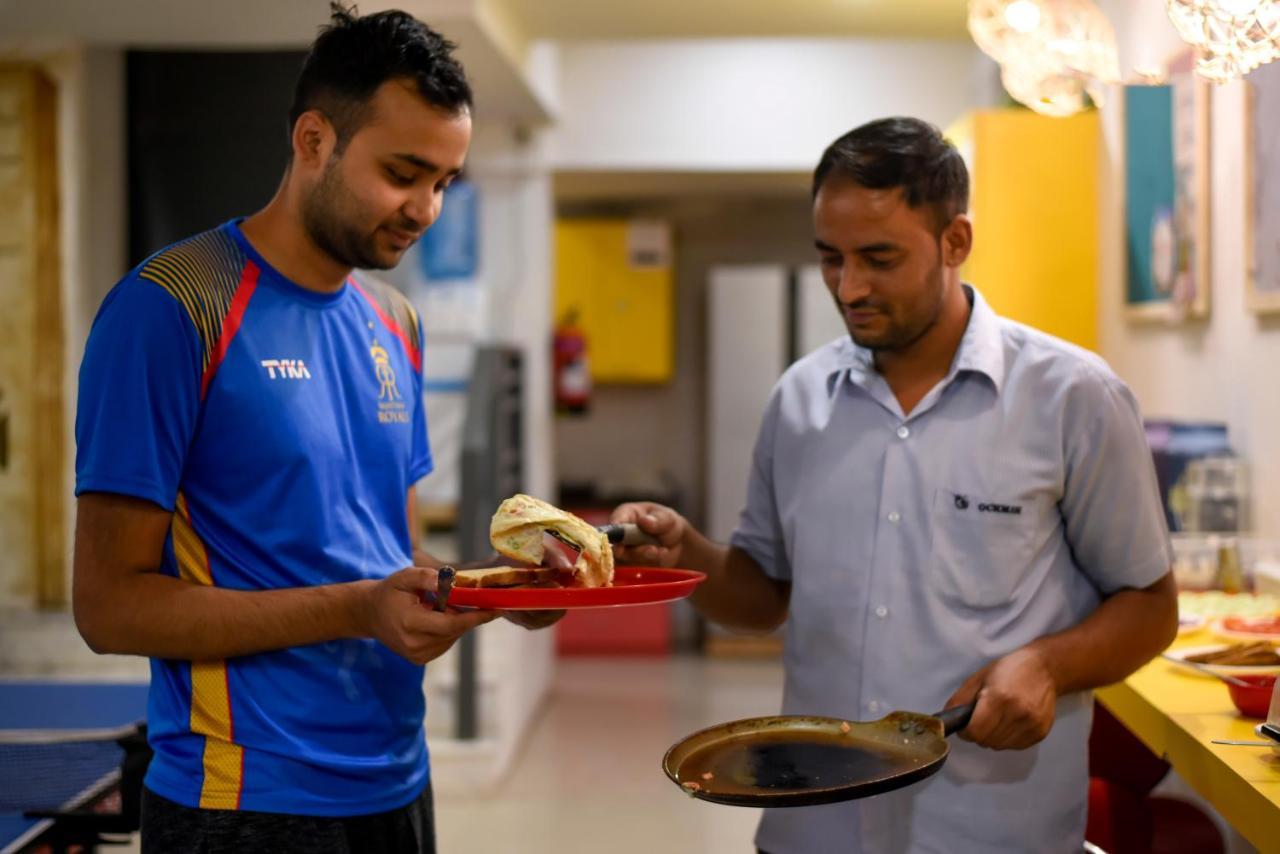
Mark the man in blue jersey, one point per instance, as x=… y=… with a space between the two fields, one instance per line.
x=250 y=428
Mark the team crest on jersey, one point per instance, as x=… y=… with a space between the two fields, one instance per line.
x=391 y=408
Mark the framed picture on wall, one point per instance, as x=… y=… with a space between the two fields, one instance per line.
x=1262 y=288
x=1166 y=218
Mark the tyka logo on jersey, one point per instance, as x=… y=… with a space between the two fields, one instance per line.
x=286 y=369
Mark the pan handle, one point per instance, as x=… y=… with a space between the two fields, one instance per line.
x=955 y=718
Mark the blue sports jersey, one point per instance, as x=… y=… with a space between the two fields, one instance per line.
x=284 y=429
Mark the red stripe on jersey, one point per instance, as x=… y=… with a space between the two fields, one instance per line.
x=415 y=357
x=231 y=324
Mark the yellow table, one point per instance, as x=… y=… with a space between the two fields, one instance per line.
x=1176 y=713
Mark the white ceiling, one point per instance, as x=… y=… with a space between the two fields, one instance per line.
x=609 y=185
x=494 y=35
x=628 y=19
x=494 y=61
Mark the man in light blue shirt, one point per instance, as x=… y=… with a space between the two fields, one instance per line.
x=944 y=507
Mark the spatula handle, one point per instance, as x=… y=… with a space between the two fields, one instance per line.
x=627 y=534
x=444 y=586
x=955 y=718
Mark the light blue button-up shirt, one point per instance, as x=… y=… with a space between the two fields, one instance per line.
x=1017 y=494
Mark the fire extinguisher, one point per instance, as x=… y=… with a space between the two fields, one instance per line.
x=572 y=376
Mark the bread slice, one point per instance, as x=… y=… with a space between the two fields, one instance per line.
x=503 y=576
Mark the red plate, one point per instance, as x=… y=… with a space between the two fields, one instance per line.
x=632 y=585
x=1258 y=628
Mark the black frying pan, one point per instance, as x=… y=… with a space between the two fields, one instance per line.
x=798 y=760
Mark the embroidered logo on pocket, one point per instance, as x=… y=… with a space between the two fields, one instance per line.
x=1004 y=509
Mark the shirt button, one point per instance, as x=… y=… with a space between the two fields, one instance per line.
x=894 y=516
x=904 y=431
x=873 y=706
x=882 y=611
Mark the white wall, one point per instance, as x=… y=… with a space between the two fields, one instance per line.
x=516 y=230
x=746 y=352
x=513 y=278
x=1219 y=369
x=635 y=435
x=747 y=104
x=509 y=168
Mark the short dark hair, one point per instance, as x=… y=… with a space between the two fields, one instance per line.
x=354 y=55
x=901 y=152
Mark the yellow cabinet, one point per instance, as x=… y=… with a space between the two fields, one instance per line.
x=616 y=276
x=1034 y=204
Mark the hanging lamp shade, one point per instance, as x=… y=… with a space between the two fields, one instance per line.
x=1052 y=53
x=1234 y=36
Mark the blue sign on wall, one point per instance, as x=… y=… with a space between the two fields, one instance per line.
x=450 y=248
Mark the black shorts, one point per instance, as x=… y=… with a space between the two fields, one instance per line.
x=170 y=828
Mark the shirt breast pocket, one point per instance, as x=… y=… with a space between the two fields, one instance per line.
x=982 y=547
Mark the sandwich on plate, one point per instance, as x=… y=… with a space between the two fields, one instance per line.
x=519 y=530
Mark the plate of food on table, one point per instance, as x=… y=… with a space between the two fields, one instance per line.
x=1231 y=659
x=1241 y=627
x=1225 y=611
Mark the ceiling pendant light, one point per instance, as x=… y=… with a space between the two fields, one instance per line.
x=1052 y=53
x=1233 y=36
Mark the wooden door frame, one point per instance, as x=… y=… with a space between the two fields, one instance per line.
x=38 y=130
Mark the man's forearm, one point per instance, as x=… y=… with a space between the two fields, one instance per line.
x=164 y=617
x=737 y=593
x=1126 y=631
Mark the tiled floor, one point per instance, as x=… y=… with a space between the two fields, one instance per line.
x=589 y=779
x=46 y=643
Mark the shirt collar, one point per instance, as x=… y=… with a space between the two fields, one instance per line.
x=981 y=350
